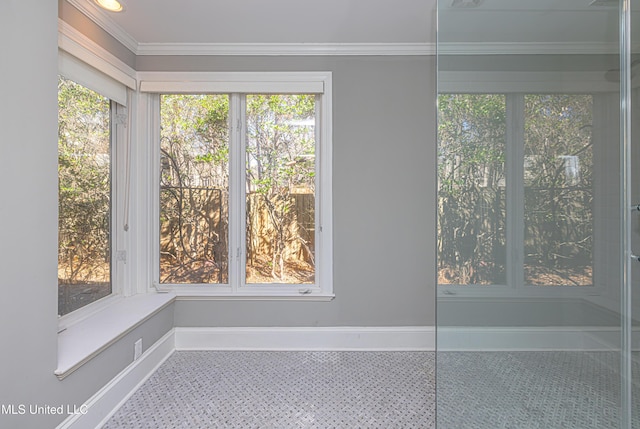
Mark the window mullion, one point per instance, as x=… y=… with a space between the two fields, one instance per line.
x=318 y=219
x=150 y=110
x=118 y=190
x=241 y=218
x=236 y=191
x=515 y=189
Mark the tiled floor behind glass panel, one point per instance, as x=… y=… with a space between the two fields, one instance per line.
x=529 y=390
x=476 y=390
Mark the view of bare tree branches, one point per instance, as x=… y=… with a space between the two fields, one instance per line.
x=557 y=192
x=194 y=195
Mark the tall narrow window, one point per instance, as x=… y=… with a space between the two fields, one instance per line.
x=471 y=189
x=280 y=188
x=558 y=190
x=84 y=195
x=194 y=189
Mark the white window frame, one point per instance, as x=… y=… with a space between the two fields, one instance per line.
x=86 y=332
x=115 y=221
x=514 y=85
x=79 y=71
x=237 y=85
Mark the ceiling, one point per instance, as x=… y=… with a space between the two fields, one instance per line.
x=465 y=26
x=155 y=24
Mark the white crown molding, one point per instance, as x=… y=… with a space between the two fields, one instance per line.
x=293 y=49
x=80 y=46
x=94 y=13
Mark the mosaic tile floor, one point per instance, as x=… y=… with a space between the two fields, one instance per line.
x=476 y=390
x=530 y=390
x=205 y=389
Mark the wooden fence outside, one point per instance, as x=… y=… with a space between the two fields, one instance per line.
x=194 y=227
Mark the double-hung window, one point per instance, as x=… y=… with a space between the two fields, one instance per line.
x=244 y=183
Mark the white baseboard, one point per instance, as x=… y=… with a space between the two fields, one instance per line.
x=101 y=406
x=308 y=338
x=530 y=338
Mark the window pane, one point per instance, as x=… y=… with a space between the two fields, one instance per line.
x=471 y=189
x=280 y=184
x=194 y=189
x=558 y=190
x=84 y=196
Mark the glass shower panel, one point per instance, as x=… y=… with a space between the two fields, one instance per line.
x=633 y=78
x=529 y=238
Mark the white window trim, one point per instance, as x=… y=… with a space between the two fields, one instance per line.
x=514 y=85
x=81 y=342
x=85 y=62
x=90 y=53
x=320 y=83
x=86 y=332
x=119 y=241
x=89 y=77
x=230 y=82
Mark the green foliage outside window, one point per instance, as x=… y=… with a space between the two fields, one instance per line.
x=84 y=196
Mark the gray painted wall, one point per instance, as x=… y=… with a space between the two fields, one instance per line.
x=384 y=189
x=28 y=229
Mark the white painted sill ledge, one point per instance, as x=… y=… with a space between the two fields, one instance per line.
x=262 y=292
x=82 y=341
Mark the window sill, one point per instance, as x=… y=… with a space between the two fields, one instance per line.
x=250 y=294
x=82 y=341
x=495 y=291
